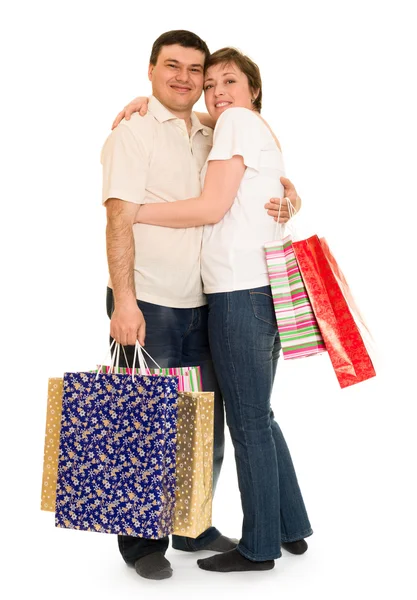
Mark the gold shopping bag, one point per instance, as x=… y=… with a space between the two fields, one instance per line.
x=194 y=469
x=51 y=447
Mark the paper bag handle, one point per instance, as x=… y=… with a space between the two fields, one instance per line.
x=281 y=227
x=115 y=359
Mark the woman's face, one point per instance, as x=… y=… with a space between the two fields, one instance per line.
x=226 y=86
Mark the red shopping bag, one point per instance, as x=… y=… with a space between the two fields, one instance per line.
x=348 y=354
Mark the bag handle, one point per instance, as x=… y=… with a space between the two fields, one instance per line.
x=143 y=367
x=112 y=359
x=115 y=359
x=281 y=227
x=114 y=356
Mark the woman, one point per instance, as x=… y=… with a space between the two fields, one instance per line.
x=242 y=172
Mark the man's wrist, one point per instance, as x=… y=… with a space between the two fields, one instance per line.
x=125 y=301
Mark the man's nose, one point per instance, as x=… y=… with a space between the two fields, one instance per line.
x=182 y=75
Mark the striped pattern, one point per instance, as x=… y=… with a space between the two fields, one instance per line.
x=189 y=378
x=298 y=329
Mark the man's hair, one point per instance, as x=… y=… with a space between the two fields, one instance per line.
x=227 y=56
x=183 y=38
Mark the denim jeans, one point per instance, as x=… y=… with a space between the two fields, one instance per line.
x=245 y=346
x=177 y=337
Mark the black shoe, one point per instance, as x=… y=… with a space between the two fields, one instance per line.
x=233 y=561
x=298 y=547
x=153 y=566
x=220 y=544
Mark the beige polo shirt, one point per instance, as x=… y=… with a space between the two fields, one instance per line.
x=153 y=159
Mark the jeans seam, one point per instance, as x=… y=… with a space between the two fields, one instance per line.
x=251 y=556
x=192 y=324
x=252 y=293
x=299 y=536
x=237 y=393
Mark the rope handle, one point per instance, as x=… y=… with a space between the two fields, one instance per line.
x=138 y=355
x=281 y=227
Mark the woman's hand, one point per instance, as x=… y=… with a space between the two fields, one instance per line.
x=279 y=206
x=206 y=120
x=139 y=104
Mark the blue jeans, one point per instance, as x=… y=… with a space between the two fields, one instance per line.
x=177 y=337
x=245 y=346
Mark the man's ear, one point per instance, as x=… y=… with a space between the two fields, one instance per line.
x=150 y=70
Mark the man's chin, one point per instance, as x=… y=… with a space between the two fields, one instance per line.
x=183 y=103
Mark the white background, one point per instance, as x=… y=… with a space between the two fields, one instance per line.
x=339 y=90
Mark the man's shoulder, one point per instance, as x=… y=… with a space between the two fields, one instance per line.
x=138 y=132
x=138 y=125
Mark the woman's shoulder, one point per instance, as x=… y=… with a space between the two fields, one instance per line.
x=238 y=114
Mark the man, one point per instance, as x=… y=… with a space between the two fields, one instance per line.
x=154 y=271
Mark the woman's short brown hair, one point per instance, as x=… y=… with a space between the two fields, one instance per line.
x=226 y=56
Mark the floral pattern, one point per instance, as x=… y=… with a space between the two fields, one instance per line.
x=117 y=454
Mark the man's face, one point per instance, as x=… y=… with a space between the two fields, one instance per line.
x=177 y=78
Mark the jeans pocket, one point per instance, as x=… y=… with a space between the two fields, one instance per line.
x=263 y=306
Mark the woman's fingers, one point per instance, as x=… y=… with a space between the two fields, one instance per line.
x=118 y=119
x=139 y=104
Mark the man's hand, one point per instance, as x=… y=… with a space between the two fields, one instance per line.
x=127 y=325
x=139 y=104
x=279 y=206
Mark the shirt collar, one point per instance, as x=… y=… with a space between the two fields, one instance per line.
x=159 y=111
x=197 y=126
x=162 y=114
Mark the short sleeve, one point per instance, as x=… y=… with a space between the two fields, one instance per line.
x=238 y=132
x=125 y=166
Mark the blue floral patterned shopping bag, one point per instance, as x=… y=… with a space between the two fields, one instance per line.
x=117 y=454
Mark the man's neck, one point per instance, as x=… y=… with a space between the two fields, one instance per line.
x=185 y=115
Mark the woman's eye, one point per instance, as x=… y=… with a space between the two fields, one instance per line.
x=230 y=81
x=208 y=87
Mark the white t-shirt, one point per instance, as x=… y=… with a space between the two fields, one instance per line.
x=232 y=256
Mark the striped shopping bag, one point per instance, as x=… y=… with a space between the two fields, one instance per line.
x=298 y=329
x=189 y=378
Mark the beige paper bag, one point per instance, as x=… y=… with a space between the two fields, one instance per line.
x=194 y=472
x=51 y=448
